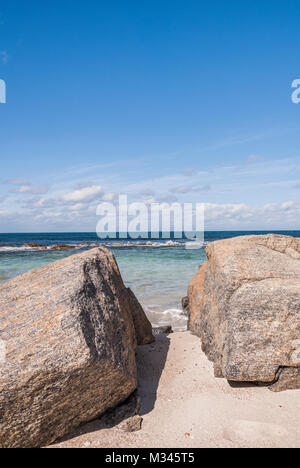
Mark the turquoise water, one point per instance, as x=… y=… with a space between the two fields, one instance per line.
x=157 y=271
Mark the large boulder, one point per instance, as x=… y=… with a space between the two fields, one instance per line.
x=68 y=342
x=245 y=306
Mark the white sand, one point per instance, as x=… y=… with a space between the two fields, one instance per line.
x=185 y=406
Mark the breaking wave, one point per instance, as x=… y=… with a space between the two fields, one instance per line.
x=130 y=244
x=160 y=317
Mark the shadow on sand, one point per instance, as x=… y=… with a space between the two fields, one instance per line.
x=151 y=361
x=246 y=384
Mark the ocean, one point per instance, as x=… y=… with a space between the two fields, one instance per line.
x=158 y=271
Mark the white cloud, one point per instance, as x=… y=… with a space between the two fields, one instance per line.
x=25 y=187
x=84 y=184
x=254 y=158
x=236 y=193
x=229 y=216
x=166 y=199
x=147 y=192
x=202 y=188
x=84 y=194
x=4 y=57
x=185 y=189
x=180 y=189
x=109 y=197
x=285 y=215
x=5 y=213
x=18 y=182
x=77 y=207
x=189 y=172
x=32 y=189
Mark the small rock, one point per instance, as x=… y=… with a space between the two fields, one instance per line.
x=185 y=306
x=162 y=330
x=123 y=412
x=62 y=247
x=32 y=245
x=132 y=424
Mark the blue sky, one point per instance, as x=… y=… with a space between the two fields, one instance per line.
x=176 y=101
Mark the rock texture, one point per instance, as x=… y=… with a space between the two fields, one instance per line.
x=70 y=341
x=245 y=305
x=142 y=325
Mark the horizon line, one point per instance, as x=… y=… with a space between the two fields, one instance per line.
x=160 y=232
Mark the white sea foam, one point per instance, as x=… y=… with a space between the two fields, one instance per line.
x=195 y=245
x=109 y=244
x=160 y=317
x=137 y=244
x=24 y=248
x=14 y=249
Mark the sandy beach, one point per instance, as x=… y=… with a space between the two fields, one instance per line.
x=184 y=406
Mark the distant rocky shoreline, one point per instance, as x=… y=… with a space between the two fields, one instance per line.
x=33 y=245
x=127 y=243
